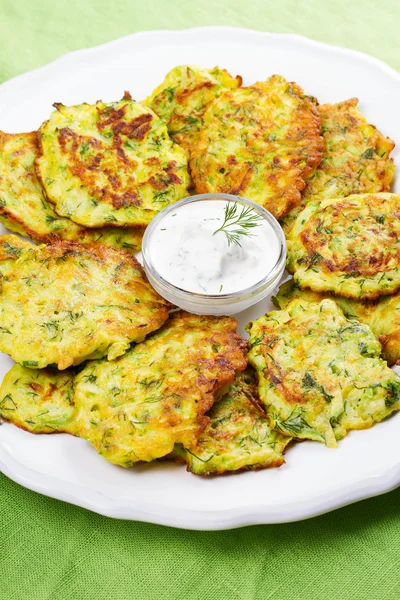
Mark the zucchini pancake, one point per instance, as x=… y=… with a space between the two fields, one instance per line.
x=320 y=374
x=260 y=142
x=25 y=209
x=182 y=98
x=238 y=435
x=348 y=246
x=136 y=407
x=356 y=158
x=110 y=164
x=63 y=303
x=382 y=315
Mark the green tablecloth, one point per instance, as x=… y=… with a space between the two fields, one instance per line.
x=52 y=551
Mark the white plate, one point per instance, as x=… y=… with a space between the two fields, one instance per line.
x=315 y=479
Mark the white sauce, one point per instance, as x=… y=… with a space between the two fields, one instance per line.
x=184 y=251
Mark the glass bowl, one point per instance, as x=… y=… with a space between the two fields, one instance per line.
x=220 y=304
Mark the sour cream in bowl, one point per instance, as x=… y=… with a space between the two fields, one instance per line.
x=214 y=254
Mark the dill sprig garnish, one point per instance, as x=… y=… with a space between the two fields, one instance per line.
x=238 y=223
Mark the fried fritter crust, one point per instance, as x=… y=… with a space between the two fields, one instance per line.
x=11 y=248
x=66 y=302
x=356 y=158
x=238 y=435
x=320 y=374
x=182 y=98
x=260 y=142
x=382 y=315
x=137 y=407
x=348 y=246
x=38 y=400
x=25 y=209
x=110 y=164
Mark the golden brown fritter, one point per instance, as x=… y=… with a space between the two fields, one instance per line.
x=25 y=209
x=382 y=315
x=63 y=303
x=137 y=407
x=182 y=98
x=320 y=374
x=348 y=246
x=356 y=158
x=238 y=435
x=260 y=142
x=110 y=164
